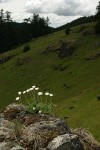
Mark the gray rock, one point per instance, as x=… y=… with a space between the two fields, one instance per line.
x=65 y=142
x=5 y=146
x=10 y=146
x=66 y=49
x=37 y=132
x=6 y=129
x=17 y=147
x=13 y=111
x=42 y=132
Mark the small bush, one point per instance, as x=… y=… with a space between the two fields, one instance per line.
x=97 y=28
x=26 y=48
x=67 y=31
x=98 y=97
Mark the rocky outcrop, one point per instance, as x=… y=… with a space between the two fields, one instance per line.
x=62 y=48
x=66 y=49
x=93 y=57
x=5 y=58
x=21 y=130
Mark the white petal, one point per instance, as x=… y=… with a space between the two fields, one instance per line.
x=40 y=93
x=36 y=88
x=17 y=98
x=46 y=93
x=50 y=94
x=24 y=92
x=33 y=86
x=19 y=93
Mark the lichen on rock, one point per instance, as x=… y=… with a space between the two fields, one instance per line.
x=22 y=130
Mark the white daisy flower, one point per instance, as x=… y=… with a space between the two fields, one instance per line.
x=27 y=90
x=33 y=108
x=31 y=89
x=33 y=86
x=51 y=95
x=36 y=88
x=17 y=98
x=19 y=93
x=40 y=111
x=46 y=93
x=24 y=92
x=40 y=93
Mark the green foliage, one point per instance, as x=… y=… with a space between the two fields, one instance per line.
x=26 y=48
x=15 y=34
x=17 y=129
x=98 y=12
x=67 y=31
x=44 y=108
x=97 y=28
x=34 y=101
x=79 y=21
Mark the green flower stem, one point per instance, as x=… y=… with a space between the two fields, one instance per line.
x=46 y=99
x=41 y=98
x=34 y=98
x=20 y=99
x=26 y=100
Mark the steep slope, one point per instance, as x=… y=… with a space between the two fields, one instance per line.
x=74 y=80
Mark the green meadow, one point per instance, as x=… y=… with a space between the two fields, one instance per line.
x=75 y=87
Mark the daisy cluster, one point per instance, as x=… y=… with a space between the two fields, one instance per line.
x=33 y=98
x=33 y=88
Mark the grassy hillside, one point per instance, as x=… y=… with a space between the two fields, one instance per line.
x=75 y=87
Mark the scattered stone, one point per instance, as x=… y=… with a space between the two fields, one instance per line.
x=87 y=139
x=6 y=130
x=71 y=107
x=66 y=49
x=22 y=61
x=98 y=97
x=66 y=142
x=10 y=146
x=93 y=57
x=54 y=47
x=5 y=58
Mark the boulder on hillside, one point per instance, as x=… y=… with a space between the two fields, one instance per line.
x=66 y=49
x=61 y=48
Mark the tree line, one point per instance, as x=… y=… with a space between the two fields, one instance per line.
x=82 y=20
x=79 y=21
x=97 y=27
x=13 y=34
